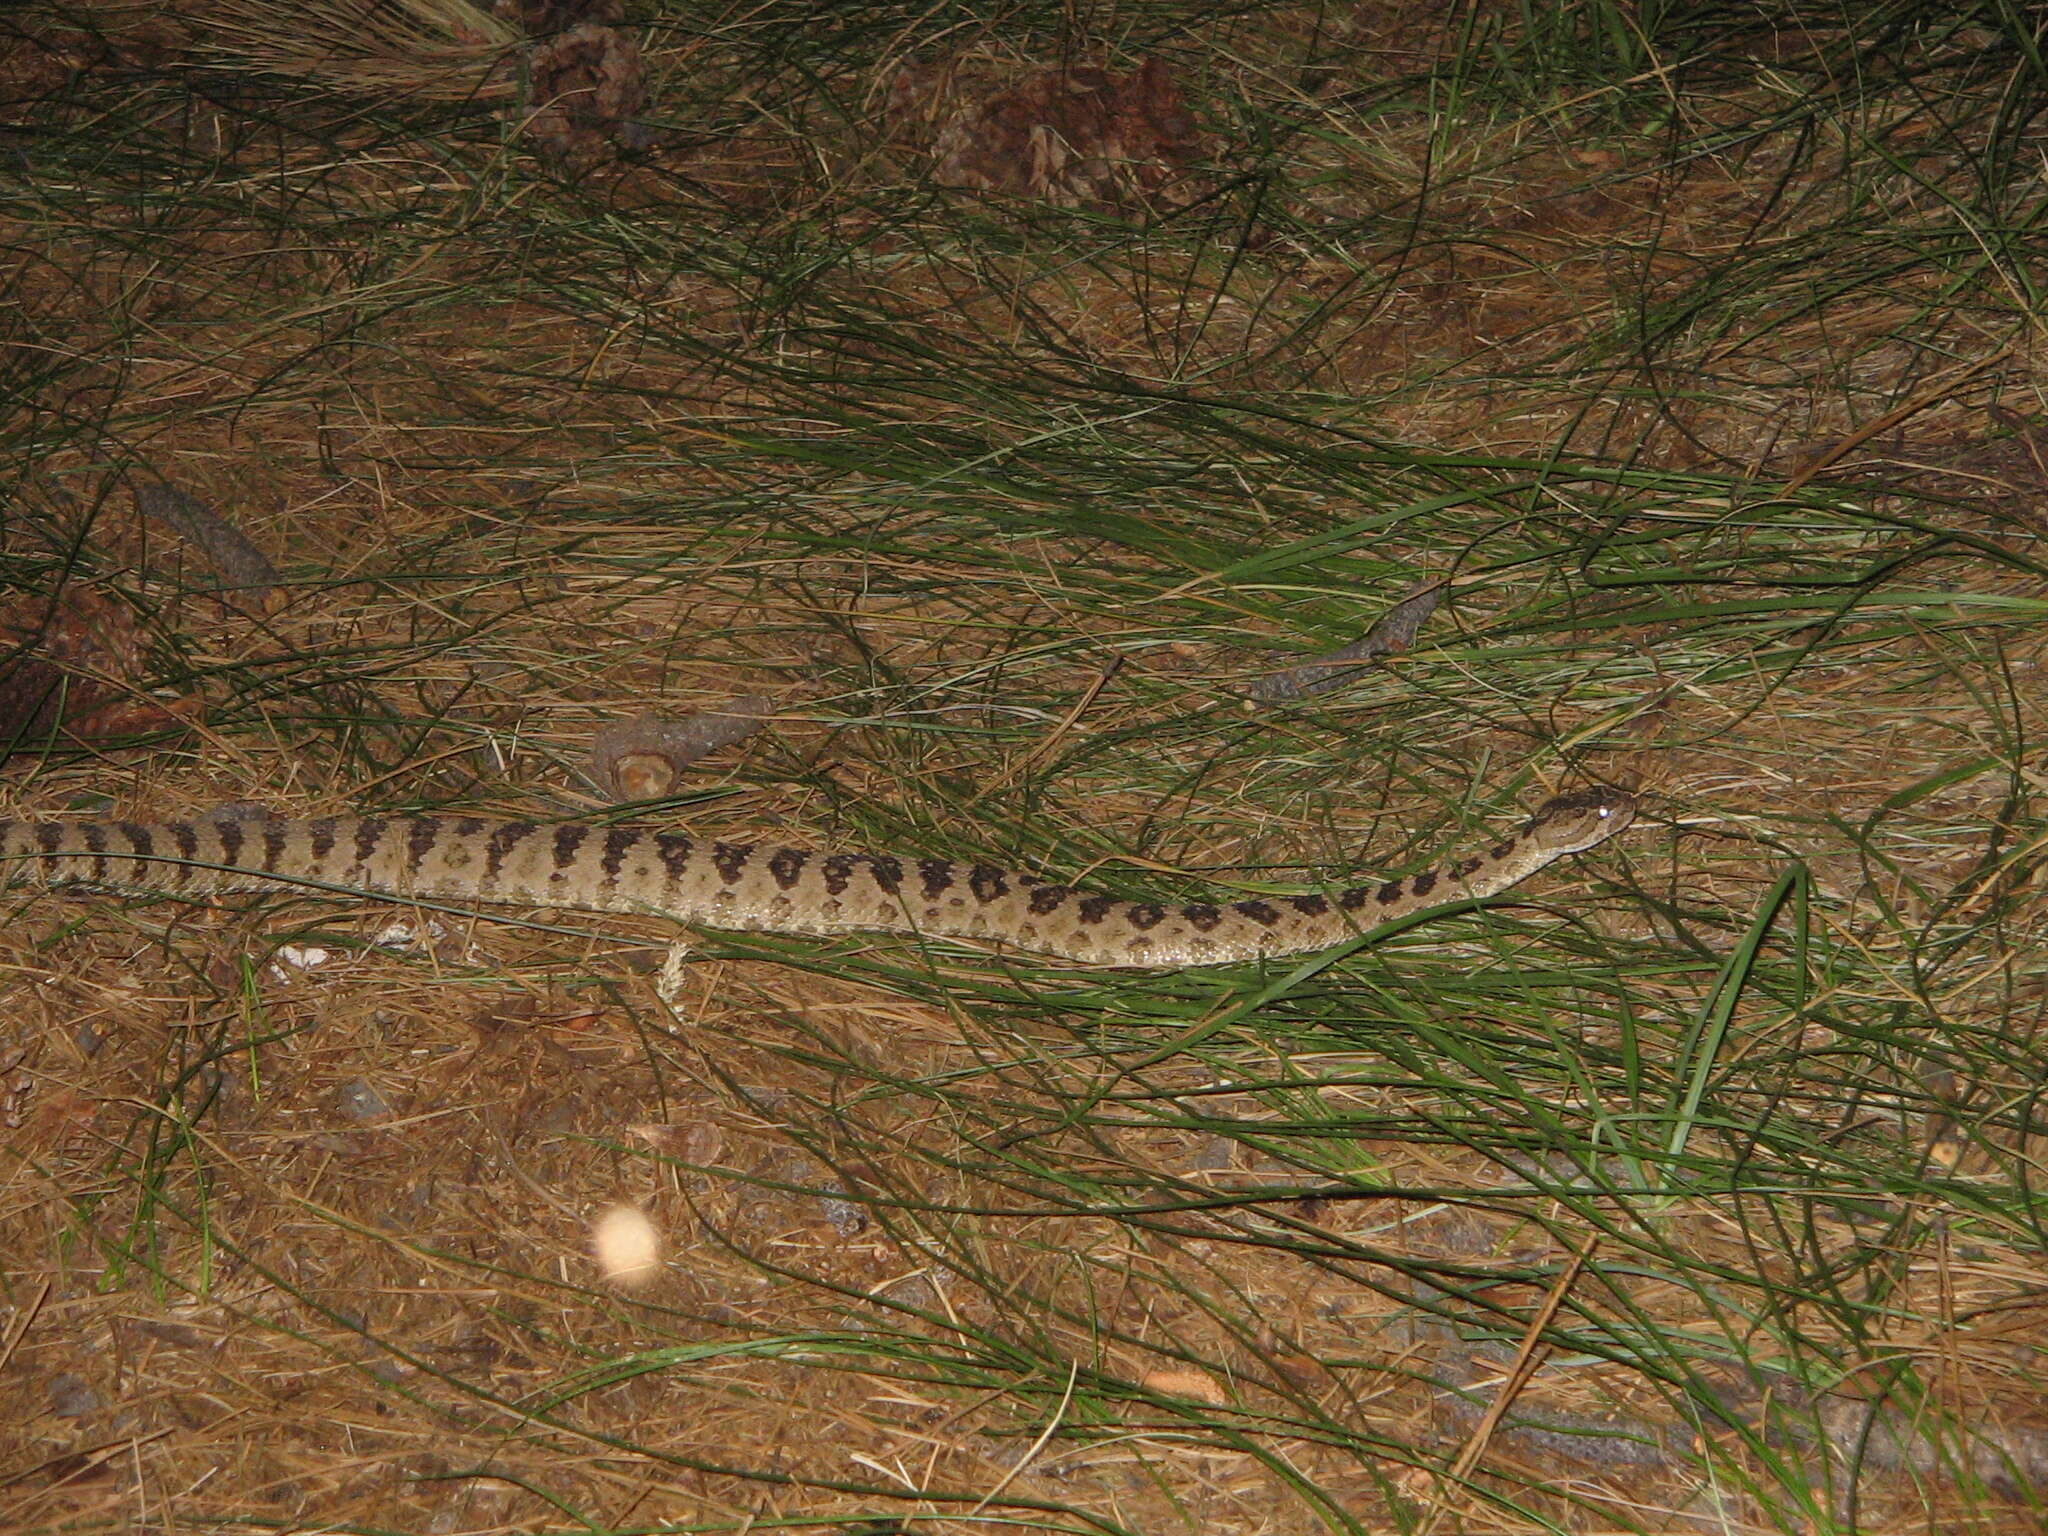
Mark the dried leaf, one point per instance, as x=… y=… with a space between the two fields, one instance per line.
x=1199 y=1385
x=1073 y=137
x=642 y=759
x=73 y=667
x=588 y=88
x=700 y=1141
x=241 y=565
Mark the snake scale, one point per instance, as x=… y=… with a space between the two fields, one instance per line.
x=758 y=886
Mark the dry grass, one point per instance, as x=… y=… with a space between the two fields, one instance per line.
x=1680 y=374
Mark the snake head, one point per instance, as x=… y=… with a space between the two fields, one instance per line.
x=1572 y=823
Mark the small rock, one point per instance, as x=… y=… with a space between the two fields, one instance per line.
x=71 y=1397
x=360 y=1100
x=298 y=957
x=848 y=1218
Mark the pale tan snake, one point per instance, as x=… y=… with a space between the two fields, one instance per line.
x=762 y=887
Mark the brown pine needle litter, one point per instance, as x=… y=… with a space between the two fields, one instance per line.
x=447 y=49
x=1159 y=447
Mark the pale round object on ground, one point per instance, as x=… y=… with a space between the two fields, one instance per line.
x=626 y=1245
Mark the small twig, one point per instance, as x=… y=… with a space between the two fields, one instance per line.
x=1891 y=418
x=1395 y=631
x=1058 y=1414
x=21 y=1327
x=2032 y=435
x=1052 y=737
x=1527 y=1358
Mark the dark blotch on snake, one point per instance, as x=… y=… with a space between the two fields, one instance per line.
x=421 y=834
x=502 y=842
x=617 y=843
x=567 y=840
x=937 y=876
x=786 y=865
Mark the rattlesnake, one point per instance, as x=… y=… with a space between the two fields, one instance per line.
x=753 y=886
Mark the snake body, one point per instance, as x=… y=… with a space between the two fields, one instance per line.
x=760 y=886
